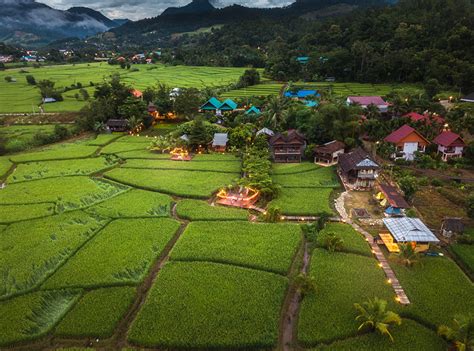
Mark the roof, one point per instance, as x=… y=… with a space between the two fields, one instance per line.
x=453 y=224
x=184 y=137
x=266 y=131
x=401 y=133
x=117 y=123
x=301 y=94
x=407 y=229
x=356 y=160
x=211 y=104
x=48 y=99
x=220 y=139
x=414 y=116
x=228 y=104
x=468 y=98
x=394 y=198
x=330 y=148
x=292 y=136
x=448 y=138
x=310 y=103
x=137 y=93
x=302 y=59
x=253 y=110
x=368 y=100
x=426 y=117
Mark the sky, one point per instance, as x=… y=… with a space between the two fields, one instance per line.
x=137 y=9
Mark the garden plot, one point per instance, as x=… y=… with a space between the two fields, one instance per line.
x=197 y=210
x=104 y=139
x=264 y=89
x=208 y=305
x=19 y=212
x=409 y=336
x=31 y=316
x=269 y=247
x=97 y=313
x=5 y=165
x=353 y=240
x=86 y=192
x=438 y=290
x=342 y=279
x=124 y=146
x=33 y=250
x=174 y=182
x=134 y=203
x=49 y=169
x=143 y=154
x=64 y=151
x=303 y=201
x=292 y=168
x=120 y=254
x=194 y=165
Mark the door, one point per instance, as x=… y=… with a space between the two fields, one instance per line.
x=409 y=150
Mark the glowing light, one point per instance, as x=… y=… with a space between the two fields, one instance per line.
x=389 y=281
x=380 y=265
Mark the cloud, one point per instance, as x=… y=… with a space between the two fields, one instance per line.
x=137 y=9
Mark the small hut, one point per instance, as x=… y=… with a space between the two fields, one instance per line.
x=242 y=197
x=219 y=143
x=452 y=226
x=180 y=154
x=117 y=125
x=329 y=153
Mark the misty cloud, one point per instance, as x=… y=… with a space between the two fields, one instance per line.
x=137 y=9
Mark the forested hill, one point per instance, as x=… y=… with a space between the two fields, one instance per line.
x=412 y=41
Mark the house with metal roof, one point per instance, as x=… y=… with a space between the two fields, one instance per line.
x=329 y=153
x=391 y=199
x=425 y=118
x=266 y=131
x=358 y=170
x=213 y=104
x=365 y=101
x=302 y=59
x=452 y=226
x=450 y=145
x=117 y=125
x=301 y=94
x=219 y=143
x=228 y=105
x=407 y=140
x=405 y=230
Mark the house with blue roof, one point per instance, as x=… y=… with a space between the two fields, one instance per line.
x=310 y=103
x=253 y=111
x=228 y=105
x=213 y=104
x=302 y=94
x=302 y=59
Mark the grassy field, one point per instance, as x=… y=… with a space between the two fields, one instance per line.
x=239 y=307
x=303 y=202
x=21 y=97
x=264 y=89
x=269 y=247
x=196 y=210
x=195 y=165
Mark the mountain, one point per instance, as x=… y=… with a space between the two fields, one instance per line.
x=31 y=23
x=196 y=7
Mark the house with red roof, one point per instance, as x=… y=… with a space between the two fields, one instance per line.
x=450 y=145
x=407 y=140
x=426 y=118
x=365 y=101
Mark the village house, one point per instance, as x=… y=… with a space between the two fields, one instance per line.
x=136 y=93
x=228 y=105
x=265 y=131
x=213 y=104
x=452 y=226
x=357 y=169
x=405 y=230
x=253 y=111
x=365 y=101
x=392 y=201
x=407 y=141
x=288 y=147
x=219 y=143
x=301 y=94
x=117 y=125
x=425 y=118
x=450 y=145
x=329 y=152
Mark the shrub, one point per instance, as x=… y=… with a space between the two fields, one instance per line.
x=8 y=79
x=30 y=80
x=272 y=214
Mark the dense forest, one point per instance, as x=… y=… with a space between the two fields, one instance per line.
x=412 y=41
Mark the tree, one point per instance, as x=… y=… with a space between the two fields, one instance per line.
x=275 y=112
x=409 y=186
x=407 y=255
x=133 y=108
x=30 y=79
x=460 y=333
x=198 y=135
x=333 y=243
x=84 y=93
x=375 y=318
x=187 y=102
x=432 y=87
x=250 y=77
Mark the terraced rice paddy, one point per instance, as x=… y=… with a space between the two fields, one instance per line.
x=20 y=97
x=103 y=239
x=265 y=89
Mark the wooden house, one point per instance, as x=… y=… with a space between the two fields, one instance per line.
x=425 y=118
x=407 y=141
x=357 y=169
x=450 y=145
x=365 y=101
x=391 y=199
x=288 y=147
x=329 y=152
x=405 y=230
x=117 y=125
x=452 y=226
x=219 y=143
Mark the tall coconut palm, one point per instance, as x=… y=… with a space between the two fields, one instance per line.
x=461 y=333
x=375 y=318
x=407 y=255
x=275 y=112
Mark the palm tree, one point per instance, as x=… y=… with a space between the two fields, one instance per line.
x=333 y=243
x=407 y=255
x=375 y=317
x=275 y=112
x=461 y=334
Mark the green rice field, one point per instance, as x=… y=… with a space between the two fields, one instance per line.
x=20 y=97
x=106 y=243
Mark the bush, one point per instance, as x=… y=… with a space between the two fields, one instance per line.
x=61 y=132
x=30 y=80
x=436 y=182
x=8 y=79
